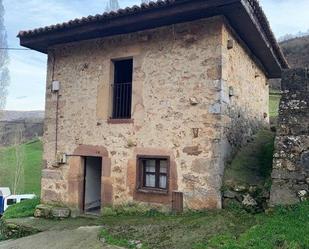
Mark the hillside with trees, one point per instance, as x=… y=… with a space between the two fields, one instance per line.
x=18 y=126
x=296 y=51
x=20 y=167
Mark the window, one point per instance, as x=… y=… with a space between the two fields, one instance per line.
x=122 y=89
x=153 y=173
x=11 y=202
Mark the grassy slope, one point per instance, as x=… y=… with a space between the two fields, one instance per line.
x=274 y=99
x=286 y=228
x=30 y=181
x=253 y=163
x=22 y=209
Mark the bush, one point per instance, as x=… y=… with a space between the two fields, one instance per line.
x=2 y=237
x=23 y=209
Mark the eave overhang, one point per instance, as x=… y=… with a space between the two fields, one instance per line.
x=245 y=16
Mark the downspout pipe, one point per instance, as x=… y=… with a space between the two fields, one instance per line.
x=57 y=101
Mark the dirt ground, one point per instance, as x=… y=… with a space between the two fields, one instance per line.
x=80 y=238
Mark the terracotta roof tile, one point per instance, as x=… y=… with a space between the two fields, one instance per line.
x=105 y=15
x=267 y=29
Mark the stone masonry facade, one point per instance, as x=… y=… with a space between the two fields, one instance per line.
x=291 y=160
x=198 y=94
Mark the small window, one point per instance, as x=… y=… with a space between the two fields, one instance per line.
x=153 y=173
x=24 y=199
x=122 y=89
x=11 y=202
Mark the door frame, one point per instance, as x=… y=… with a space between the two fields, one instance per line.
x=84 y=184
x=84 y=181
x=76 y=175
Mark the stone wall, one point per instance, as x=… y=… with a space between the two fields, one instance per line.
x=245 y=106
x=178 y=111
x=291 y=160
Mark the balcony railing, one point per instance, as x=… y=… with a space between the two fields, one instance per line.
x=122 y=100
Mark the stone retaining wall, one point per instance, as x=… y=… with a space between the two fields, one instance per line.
x=12 y=230
x=291 y=160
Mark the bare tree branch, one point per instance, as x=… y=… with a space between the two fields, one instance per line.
x=112 y=5
x=19 y=158
x=4 y=60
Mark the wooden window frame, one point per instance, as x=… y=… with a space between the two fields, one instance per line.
x=141 y=175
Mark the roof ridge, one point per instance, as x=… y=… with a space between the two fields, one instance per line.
x=98 y=17
x=143 y=8
x=260 y=14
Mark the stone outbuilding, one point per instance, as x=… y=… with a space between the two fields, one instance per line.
x=149 y=102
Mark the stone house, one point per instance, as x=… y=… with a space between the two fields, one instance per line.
x=150 y=102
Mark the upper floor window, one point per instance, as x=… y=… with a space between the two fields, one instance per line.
x=122 y=89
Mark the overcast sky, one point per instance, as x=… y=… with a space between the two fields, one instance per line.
x=28 y=68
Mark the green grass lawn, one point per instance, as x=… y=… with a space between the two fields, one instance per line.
x=285 y=228
x=281 y=228
x=32 y=163
x=23 y=209
x=191 y=230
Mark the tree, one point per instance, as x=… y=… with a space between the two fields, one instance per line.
x=4 y=59
x=19 y=158
x=112 y=5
